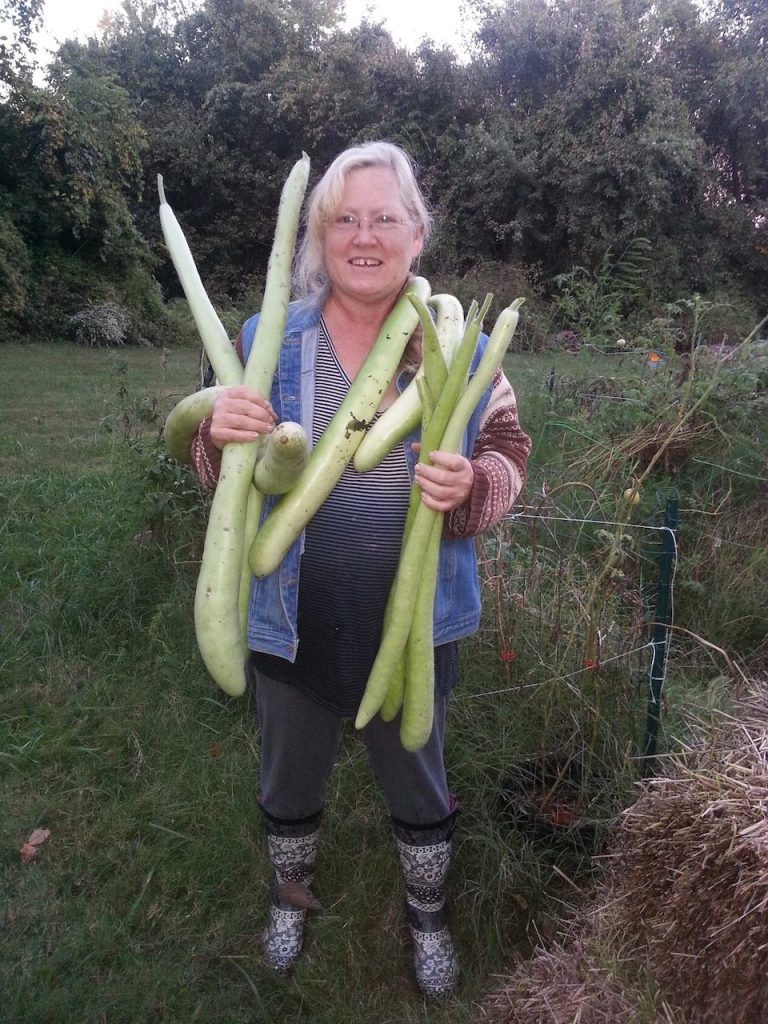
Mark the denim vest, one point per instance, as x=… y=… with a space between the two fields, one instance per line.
x=272 y=610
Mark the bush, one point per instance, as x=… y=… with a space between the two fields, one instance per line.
x=101 y=325
x=14 y=274
x=63 y=288
x=180 y=327
x=594 y=303
x=506 y=281
x=719 y=318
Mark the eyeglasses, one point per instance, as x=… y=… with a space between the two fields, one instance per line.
x=381 y=224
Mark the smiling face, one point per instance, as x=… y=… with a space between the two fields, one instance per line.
x=365 y=266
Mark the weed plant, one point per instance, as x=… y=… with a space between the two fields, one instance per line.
x=594 y=303
x=597 y=434
x=149 y=893
x=146 y=901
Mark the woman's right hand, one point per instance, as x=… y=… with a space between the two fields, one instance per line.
x=240 y=414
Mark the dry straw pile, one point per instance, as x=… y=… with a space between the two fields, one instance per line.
x=679 y=932
x=577 y=984
x=677 y=443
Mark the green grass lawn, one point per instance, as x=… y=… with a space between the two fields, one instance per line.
x=62 y=405
x=146 y=901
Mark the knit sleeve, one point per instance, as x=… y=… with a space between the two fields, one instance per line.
x=499 y=461
x=204 y=455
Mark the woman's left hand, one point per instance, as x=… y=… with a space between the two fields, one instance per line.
x=445 y=481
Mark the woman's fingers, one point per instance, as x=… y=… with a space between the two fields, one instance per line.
x=240 y=414
x=445 y=481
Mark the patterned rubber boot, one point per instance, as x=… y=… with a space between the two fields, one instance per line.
x=425 y=855
x=292 y=847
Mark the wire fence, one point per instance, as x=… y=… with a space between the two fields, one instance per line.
x=572 y=612
x=568 y=605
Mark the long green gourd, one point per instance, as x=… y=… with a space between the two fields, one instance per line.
x=336 y=447
x=419 y=663
x=215 y=340
x=418 y=702
x=282 y=459
x=404 y=415
x=184 y=419
x=434 y=363
x=402 y=597
x=221 y=596
x=429 y=384
x=416 y=725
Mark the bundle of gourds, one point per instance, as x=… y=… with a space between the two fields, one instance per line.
x=441 y=398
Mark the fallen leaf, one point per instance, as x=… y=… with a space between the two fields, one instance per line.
x=561 y=816
x=298 y=895
x=31 y=848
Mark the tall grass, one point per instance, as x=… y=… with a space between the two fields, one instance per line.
x=64 y=406
x=149 y=894
x=146 y=901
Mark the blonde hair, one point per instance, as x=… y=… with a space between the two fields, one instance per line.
x=310 y=276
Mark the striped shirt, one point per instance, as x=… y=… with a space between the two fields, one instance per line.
x=352 y=547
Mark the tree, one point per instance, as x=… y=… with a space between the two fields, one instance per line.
x=18 y=20
x=579 y=126
x=202 y=89
x=592 y=140
x=71 y=157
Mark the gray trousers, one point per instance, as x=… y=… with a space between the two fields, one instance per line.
x=300 y=741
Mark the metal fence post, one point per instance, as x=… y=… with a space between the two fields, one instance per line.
x=660 y=636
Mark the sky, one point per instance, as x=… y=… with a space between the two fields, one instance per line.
x=407 y=21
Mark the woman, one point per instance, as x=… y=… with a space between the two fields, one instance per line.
x=314 y=624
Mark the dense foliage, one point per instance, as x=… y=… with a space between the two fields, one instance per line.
x=576 y=128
